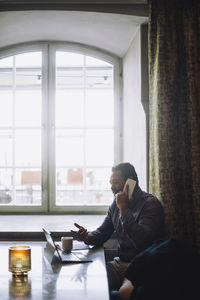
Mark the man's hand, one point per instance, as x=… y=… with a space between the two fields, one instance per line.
x=126 y=289
x=81 y=234
x=122 y=199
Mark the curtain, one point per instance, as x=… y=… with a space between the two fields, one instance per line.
x=174 y=72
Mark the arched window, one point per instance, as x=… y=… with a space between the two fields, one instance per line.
x=59 y=127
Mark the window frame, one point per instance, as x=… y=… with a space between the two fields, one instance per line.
x=48 y=50
x=15 y=50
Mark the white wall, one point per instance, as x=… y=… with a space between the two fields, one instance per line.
x=109 y=32
x=134 y=124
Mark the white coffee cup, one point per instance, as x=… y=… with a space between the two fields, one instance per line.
x=67 y=243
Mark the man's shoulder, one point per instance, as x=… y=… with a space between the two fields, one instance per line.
x=148 y=197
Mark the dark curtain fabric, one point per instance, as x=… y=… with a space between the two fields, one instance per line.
x=174 y=71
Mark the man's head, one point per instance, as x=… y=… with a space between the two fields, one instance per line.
x=120 y=173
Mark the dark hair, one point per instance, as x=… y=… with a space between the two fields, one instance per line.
x=127 y=171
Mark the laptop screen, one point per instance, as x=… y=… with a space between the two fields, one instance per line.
x=49 y=238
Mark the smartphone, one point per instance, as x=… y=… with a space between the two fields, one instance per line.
x=131 y=185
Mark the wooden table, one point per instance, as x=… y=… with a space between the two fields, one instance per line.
x=48 y=281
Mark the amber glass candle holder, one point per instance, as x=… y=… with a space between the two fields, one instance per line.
x=19 y=260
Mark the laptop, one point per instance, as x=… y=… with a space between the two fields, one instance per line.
x=75 y=256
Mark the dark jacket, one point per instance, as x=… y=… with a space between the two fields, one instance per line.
x=136 y=228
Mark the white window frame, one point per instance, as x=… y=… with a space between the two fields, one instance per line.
x=15 y=50
x=48 y=50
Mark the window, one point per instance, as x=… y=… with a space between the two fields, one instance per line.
x=59 y=124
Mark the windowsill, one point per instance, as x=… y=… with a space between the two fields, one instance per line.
x=29 y=227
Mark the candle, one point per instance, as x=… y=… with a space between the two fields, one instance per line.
x=19 y=260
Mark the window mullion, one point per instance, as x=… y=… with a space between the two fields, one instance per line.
x=51 y=125
x=84 y=129
x=13 y=127
x=45 y=134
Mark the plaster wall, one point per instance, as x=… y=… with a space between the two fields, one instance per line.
x=112 y=33
x=134 y=122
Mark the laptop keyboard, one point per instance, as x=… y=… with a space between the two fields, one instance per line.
x=74 y=256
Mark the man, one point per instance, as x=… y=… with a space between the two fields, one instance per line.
x=137 y=223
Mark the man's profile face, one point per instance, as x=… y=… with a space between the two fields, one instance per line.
x=117 y=182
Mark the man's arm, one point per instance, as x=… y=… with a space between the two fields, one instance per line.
x=103 y=232
x=98 y=236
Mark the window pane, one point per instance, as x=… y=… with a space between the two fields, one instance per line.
x=99 y=108
x=6 y=78
x=91 y=61
x=69 y=78
x=99 y=147
x=28 y=78
x=101 y=197
x=69 y=108
x=98 y=178
x=6 y=108
x=69 y=147
x=6 y=178
x=68 y=59
x=28 y=108
x=6 y=153
x=28 y=148
x=69 y=186
x=28 y=187
x=98 y=187
x=28 y=60
x=6 y=75
x=69 y=70
x=99 y=77
x=6 y=62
